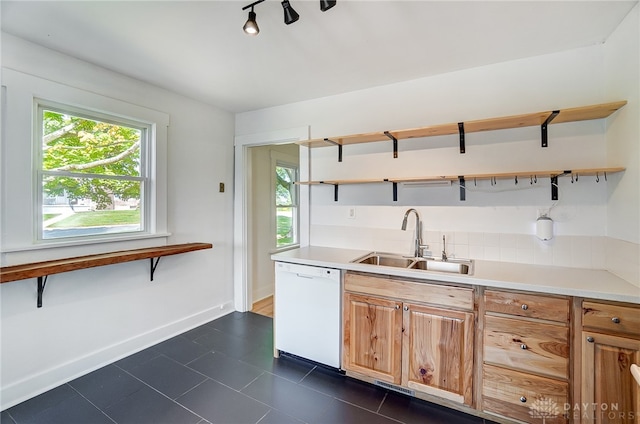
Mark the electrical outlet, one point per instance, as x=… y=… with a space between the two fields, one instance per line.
x=352 y=213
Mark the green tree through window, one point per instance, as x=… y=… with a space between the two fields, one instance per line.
x=90 y=164
x=286 y=205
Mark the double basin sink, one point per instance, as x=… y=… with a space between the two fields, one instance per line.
x=454 y=266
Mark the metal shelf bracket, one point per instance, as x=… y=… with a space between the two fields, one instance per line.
x=335 y=143
x=395 y=143
x=545 y=142
x=153 y=266
x=461 y=131
x=42 y=282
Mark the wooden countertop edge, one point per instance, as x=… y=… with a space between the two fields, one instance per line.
x=40 y=269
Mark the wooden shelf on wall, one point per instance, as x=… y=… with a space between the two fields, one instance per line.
x=42 y=270
x=462 y=179
x=583 y=113
x=498 y=176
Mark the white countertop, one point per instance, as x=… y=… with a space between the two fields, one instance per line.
x=589 y=283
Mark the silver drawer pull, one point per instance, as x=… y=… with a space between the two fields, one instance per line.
x=397 y=307
x=523 y=399
x=406 y=308
x=525 y=306
x=615 y=320
x=590 y=339
x=524 y=346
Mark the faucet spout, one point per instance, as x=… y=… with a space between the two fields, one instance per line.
x=418 y=246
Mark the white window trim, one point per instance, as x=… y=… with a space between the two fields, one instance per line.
x=18 y=170
x=283 y=159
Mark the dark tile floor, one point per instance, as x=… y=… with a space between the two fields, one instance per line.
x=223 y=372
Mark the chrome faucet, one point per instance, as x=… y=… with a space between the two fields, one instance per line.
x=444 y=249
x=418 y=246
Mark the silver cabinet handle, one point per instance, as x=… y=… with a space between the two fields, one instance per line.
x=615 y=320
x=523 y=399
x=525 y=306
x=397 y=307
x=524 y=346
x=406 y=308
x=590 y=339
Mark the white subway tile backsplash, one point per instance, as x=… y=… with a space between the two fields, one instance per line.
x=594 y=252
x=562 y=247
x=461 y=237
x=508 y=241
x=508 y=254
x=491 y=240
x=491 y=253
x=476 y=252
x=581 y=252
x=476 y=239
x=524 y=256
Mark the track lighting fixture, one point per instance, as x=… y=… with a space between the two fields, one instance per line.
x=290 y=15
x=327 y=4
x=251 y=26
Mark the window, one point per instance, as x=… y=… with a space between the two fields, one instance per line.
x=92 y=173
x=286 y=205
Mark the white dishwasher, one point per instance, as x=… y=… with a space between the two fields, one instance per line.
x=307 y=312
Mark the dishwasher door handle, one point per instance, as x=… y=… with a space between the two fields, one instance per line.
x=310 y=277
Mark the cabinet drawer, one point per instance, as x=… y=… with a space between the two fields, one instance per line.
x=612 y=318
x=424 y=292
x=527 y=305
x=527 y=346
x=523 y=396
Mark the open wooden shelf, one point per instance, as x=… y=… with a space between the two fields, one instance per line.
x=516 y=121
x=44 y=269
x=462 y=179
x=498 y=176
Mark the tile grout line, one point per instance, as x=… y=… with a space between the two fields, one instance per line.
x=162 y=394
x=94 y=405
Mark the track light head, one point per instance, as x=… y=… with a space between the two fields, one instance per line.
x=327 y=4
x=290 y=15
x=251 y=26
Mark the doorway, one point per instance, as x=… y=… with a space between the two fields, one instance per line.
x=272 y=217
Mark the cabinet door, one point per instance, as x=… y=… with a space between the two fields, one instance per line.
x=609 y=391
x=438 y=352
x=373 y=337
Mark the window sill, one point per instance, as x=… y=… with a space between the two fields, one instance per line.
x=284 y=249
x=85 y=242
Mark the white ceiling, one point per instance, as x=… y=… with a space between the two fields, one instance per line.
x=199 y=49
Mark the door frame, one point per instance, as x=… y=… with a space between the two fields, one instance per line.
x=242 y=296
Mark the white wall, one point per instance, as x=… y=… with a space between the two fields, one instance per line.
x=622 y=78
x=94 y=316
x=496 y=225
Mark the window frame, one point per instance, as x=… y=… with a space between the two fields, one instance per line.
x=145 y=128
x=21 y=212
x=285 y=161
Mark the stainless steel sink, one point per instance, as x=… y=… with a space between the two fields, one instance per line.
x=455 y=266
x=386 y=259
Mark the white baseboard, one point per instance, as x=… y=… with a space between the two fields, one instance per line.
x=34 y=385
x=262 y=292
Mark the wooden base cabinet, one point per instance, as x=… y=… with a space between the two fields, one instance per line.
x=372 y=337
x=438 y=352
x=426 y=348
x=610 y=344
